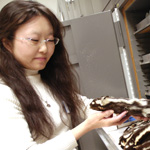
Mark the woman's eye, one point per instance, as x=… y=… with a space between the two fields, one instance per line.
x=34 y=40
x=50 y=40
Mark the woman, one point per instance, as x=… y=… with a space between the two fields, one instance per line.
x=40 y=104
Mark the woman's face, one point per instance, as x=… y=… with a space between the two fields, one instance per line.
x=29 y=47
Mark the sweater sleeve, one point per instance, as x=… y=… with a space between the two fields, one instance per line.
x=15 y=134
x=65 y=141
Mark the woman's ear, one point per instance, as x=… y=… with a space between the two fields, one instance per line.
x=7 y=44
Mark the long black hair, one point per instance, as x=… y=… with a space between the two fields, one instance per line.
x=57 y=74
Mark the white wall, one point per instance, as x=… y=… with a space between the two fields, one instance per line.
x=51 y=4
x=3 y=2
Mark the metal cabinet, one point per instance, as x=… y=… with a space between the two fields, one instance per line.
x=93 y=49
x=136 y=15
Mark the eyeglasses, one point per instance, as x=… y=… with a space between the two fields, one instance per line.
x=36 y=42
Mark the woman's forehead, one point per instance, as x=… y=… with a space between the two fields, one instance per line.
x=36 y=25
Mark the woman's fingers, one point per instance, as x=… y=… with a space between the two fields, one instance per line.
x=119 y=119
x=115 y=120
x=106 y=114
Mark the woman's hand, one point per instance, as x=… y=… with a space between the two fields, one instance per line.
x=98 y=120
x=105 y=119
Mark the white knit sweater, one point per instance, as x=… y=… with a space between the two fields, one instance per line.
x=14 y=131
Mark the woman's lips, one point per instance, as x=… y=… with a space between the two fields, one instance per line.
x=41 y=58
